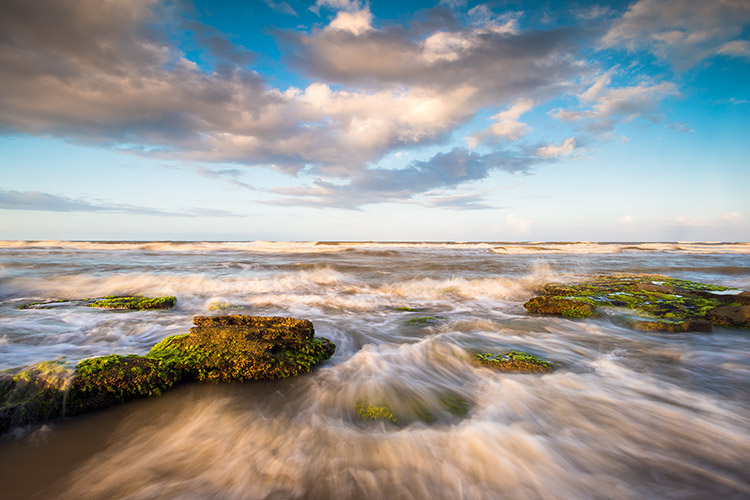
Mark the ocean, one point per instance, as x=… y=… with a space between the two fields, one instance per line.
x=624 y=415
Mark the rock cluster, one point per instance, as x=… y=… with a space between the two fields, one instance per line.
x=218 y=348
x=660 y=303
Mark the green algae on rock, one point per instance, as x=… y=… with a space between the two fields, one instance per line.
x=219 y=348
x=238 y=347
x=131 y=302
x=36 y=394
x=421 y=320
x=514 y=361
x=373 y=412
x=662 y=303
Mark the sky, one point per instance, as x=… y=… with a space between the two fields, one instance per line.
x=349 y=120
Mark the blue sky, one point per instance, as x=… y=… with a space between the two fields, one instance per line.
x=354 y=120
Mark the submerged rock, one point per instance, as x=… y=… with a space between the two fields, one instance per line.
x=132 y=302
x=374 y=412
x=662 y=303
x=514 y=361
x=219 y=348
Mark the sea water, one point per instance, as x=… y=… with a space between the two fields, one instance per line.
x=625 y=414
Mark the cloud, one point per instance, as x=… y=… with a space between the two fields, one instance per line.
x=454 y=4
x=38 y=201
x=506 y=124
x=60 y=76
x=593 y=12
x=356 y=23
x=460 y=201
x=113 y=74
x=346 y=5
x=498 y=63
x=734 y=217
x=377 y=185
x=281 y=6
x=626 y=220
x=518 y=224
x=604 y=106
x=739 y=48
x=552 y=151
x=682 y=31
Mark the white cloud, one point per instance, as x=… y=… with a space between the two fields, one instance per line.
x=739 y=48
x=602 y=104
x=356 y=22
x=506 y=122
x=683 y=220
x=552 y=151
x=734 y=217
x=626 y=220
x=518 y=224
x=505 y=125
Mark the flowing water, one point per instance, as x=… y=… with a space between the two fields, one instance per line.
x=625 y=415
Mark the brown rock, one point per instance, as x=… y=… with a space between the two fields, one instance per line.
x=731 y=316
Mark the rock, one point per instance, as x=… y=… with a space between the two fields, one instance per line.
x=219 y=348
x=514 y=361
x=34 y=395
x=666 y=304
x=568 y=307
x=132 y=302
x=242 y=347
x=373 y=412
x=731 y=316
x=691 y=325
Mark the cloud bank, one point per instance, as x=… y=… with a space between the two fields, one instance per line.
x=113 y=73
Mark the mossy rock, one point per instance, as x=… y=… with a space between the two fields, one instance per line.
x=665 y=304
x=220 y=348
x=422 y=321
x=134 y=302
x=238 y=347
x=370 y=412
x=131 y=302
x=568 y=307
x=514 y=361
x=36 y=394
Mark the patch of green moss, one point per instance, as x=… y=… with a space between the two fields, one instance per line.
x=134 y=302
x=568 y=307
x=515 y=361
x=373 y=412
x=422 y=320
x=407 y=309
x=106 y=380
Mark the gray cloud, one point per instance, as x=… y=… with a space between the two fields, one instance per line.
x=682 y=31
x=39 y=201
x=109 y=73
x=497 y=61
x=444 y=171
